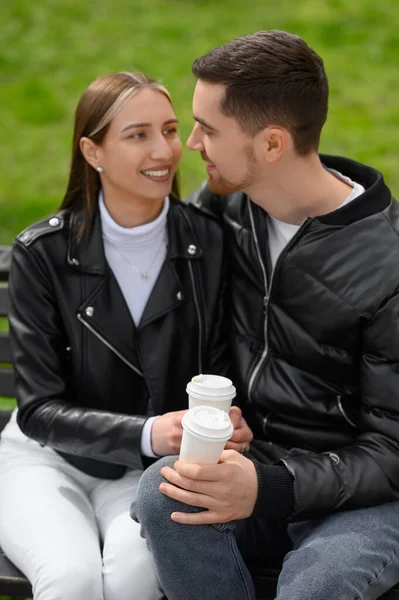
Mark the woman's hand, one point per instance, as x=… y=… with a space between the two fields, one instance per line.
x=242 y=435
x=166 y=433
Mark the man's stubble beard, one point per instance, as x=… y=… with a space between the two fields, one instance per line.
x=222 y=186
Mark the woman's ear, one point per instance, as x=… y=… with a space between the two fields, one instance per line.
x=90 y=151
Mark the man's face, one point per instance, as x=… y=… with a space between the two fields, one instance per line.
x=228 y=151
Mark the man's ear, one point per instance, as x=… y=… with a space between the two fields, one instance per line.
x=274 y=143
x=90 y=151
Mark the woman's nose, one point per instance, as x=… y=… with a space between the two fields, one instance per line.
x=162 y=149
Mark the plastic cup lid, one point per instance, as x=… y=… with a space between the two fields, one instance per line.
x=208 y=421
x=211 y=385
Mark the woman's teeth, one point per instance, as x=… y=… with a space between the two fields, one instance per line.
x=157 y=173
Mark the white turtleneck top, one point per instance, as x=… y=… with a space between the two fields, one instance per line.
x=145 y=247
x=131 y=251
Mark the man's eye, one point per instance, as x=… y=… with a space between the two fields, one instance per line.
x=137 y=136
x=205 y=131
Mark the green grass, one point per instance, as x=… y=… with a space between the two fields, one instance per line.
x=51 y=50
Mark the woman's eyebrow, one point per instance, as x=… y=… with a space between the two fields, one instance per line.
x=134 y=125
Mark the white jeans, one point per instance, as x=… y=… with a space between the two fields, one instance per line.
x=68 y=532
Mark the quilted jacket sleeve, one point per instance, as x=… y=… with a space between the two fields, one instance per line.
x=367 y=472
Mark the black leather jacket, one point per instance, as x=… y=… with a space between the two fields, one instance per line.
x=84 y=372
x=316 y=345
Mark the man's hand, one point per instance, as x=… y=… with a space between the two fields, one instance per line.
x=228 y=490
x=166 y=433
x=242 y=435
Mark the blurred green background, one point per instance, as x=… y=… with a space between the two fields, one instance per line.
x=51 y=50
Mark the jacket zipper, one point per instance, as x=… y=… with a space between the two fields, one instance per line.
x=104 y=341
x=197 y=308
x=265 y=303
x=268 y=290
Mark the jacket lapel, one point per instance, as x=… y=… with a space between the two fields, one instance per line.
x=105 y=311
x=169 y=291
x=107 y=316
x=167 y=294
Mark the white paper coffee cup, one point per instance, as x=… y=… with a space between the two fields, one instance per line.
x=210 y=390
x=206 y=430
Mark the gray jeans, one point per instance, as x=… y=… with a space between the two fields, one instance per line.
x=351 y=555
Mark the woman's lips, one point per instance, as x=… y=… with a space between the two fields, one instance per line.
x=158 y=175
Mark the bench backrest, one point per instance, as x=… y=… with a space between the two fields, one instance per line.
x=7 y=387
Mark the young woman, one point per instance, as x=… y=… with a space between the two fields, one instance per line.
x=115 y=305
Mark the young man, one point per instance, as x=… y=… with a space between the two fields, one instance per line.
x=315 y=307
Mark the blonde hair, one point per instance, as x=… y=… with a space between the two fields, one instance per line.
x=137 y=81
x=98 y=105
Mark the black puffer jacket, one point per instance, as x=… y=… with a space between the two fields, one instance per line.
x=84 y=372
x=316 y=346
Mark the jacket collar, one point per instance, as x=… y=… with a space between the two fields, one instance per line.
x=376 y=198
x=88 y=253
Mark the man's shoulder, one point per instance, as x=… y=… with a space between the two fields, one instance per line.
x=205 y=201
x=42 y=228
x=393 y=214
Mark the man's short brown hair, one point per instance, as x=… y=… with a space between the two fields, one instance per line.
x=271 y=78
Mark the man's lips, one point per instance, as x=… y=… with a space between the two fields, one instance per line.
x=209 y=166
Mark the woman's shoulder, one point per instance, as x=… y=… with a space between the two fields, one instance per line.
x=43 y=228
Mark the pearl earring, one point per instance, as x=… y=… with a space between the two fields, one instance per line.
x=99 y=169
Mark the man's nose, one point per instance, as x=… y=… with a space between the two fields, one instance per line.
x=194 y=141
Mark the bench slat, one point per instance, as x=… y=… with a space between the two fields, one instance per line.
x=5 y=349
x=7 y=386
x=4 y=418
x=12 y=581
x=4 y=299
x=5 y=262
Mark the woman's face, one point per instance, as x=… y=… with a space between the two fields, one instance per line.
x=141 y=149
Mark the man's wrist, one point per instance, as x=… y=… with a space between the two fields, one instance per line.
x=275 y=491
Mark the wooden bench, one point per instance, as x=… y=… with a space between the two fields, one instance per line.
x=12 y=581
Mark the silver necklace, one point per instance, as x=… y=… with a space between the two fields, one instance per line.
x=143 y=274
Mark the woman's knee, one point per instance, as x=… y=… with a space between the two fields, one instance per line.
x=68 y=581
x=128 y=570
x=131 y=576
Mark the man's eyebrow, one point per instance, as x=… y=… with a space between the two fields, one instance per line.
x=204 y=123
x=135 y=125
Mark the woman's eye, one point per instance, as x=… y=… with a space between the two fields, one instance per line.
x=170 y=131
x=137 y=136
